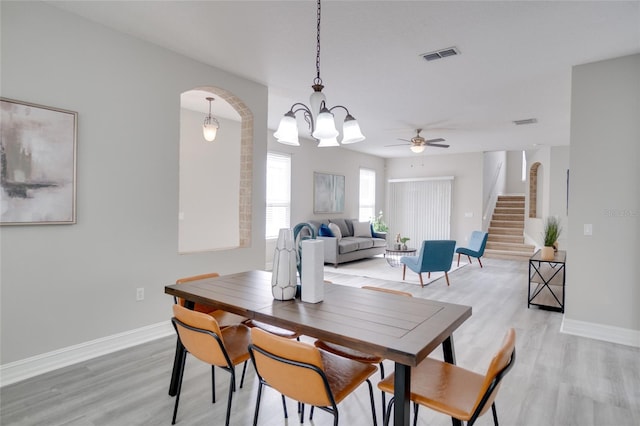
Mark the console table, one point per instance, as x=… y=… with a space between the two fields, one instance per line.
x=546 y=281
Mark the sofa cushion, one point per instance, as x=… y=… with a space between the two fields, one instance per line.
x=335 y=230
x=347 y=245
x=342 y=224
x=379 y=242
x=364 y=243
x=324 y=231
x=362 y=229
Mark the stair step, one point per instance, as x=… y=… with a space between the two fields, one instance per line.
x=511 y=197
x=505 y=231
x=509 y=210
x=509 y=217
x=507 y=224
x=500 y=245
x=497 y=238
x=503 y=254
x=518 y=204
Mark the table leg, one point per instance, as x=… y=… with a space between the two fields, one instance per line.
x=177 y=362
x=402 y=389
x=450 y=357
x=178 y=359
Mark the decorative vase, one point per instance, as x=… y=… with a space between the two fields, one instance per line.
x=404 y=247
x=555 y=246
x=547 y=253
x=284 y=277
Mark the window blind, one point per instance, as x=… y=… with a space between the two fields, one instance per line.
x=420 y=209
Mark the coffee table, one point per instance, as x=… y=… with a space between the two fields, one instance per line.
x=393 y=255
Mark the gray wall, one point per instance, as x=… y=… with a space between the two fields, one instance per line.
x=63 y=285
x=603 y=279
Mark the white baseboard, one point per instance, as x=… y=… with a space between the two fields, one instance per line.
x=29 y=367
x=607 y=333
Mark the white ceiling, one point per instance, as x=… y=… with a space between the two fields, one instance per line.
x=515 y=61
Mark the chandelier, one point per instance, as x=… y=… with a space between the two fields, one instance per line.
x=319 y=118
x=211 y=125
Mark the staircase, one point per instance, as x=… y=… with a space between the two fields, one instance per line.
x=506 y=230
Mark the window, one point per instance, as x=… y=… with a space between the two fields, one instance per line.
x=278 y=193
x=524 y=166
x=367 y=195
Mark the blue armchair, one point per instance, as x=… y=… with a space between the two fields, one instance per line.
x=477 y=243
x=435 y=256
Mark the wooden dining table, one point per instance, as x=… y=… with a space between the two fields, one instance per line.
x=401 y=329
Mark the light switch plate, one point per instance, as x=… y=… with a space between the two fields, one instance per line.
x=588 y=229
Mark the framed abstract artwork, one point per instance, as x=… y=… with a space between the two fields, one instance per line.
x=37 y=164
x=328 y=193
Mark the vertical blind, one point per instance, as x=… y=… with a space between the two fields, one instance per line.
x=420 y=209
x=278 y=193
x=367 y=210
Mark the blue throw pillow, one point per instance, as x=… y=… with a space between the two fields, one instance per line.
x=324 y=231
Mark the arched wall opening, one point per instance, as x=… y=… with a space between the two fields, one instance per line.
x=215 y=209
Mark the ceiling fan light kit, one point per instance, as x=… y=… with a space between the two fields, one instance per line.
x=319 y=117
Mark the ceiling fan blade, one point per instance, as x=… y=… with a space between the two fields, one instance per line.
x=398 y=144
x=435 y=140
x=438 y=145
x=406 y=140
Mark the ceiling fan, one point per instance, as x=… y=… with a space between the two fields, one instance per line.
x=418 y=143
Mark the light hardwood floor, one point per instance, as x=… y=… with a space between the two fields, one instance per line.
x=558 y=379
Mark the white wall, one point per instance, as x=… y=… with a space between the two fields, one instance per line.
x=533 y=227
x=467 y=185
x=603 y=279
x=308 y=158
x=494 y=183
x=515 y=184
x=64 y=285
x=209 y=185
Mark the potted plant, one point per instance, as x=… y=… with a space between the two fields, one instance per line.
x=552 y=231
x=378 y=223
x=404 y=240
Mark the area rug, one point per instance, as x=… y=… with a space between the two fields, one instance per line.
x=379 y=268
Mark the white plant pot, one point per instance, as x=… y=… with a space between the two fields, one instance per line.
x=284 y=277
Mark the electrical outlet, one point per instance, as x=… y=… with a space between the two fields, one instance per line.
x=140 y=294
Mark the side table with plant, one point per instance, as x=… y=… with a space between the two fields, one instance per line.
x=552 y=231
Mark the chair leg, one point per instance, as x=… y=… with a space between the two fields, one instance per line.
x=469 y=257
x=446 y=275
x=244 y=370
x=415 y=414
x=284 y=407
x=213 y=384
x=428 y=274
x=384 y=402
x=373 y=405
x=421 y=282
x=179 y=384
x=458 y=259
x=255 y=414
x=480 y=262
x=404 y=271
x=231 y=391
x=495 y=414
x=388 y=415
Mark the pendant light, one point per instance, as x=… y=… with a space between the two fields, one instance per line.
x=321 y=120
x=211 y=125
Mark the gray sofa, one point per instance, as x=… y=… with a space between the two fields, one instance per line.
x=349 y=247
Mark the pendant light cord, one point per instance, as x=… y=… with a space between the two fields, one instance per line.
x=318 y=80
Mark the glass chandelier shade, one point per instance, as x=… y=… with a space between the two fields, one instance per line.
x=287 y=132
x=351 y=131
x=417 y=148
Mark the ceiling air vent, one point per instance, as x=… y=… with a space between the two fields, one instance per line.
x=439 y=54
x=525 y=121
